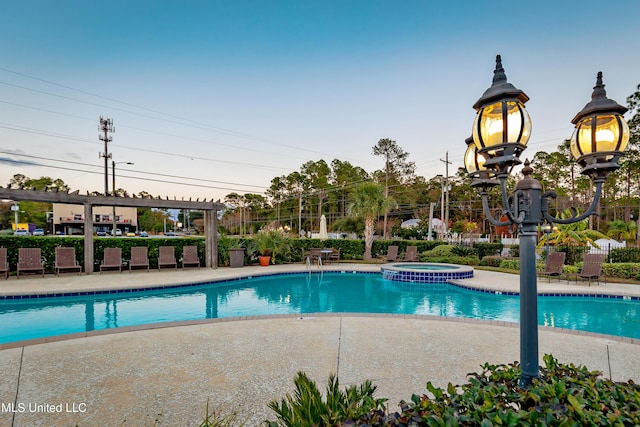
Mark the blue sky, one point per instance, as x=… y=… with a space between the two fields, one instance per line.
x=222 y=96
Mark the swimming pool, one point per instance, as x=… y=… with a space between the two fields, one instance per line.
x=22 y=319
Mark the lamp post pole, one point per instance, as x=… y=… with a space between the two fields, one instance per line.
x=113 y=182
x=547 y=232
x=501 y=131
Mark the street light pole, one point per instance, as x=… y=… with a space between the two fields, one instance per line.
x=501 y=131
x=113 y=182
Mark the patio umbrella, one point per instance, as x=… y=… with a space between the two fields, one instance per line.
x=323 y=227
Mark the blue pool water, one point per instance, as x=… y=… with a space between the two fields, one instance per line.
x=300 y=293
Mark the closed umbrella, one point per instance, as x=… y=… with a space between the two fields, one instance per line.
x=323 y=227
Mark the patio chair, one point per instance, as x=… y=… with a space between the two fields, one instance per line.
x=112 y=259
x=4 y=265
x=30 y=261
x=411 y=255
x=392 y=254
x=167 y=257
x=190 y=257
x=334 y=255
x=139 y=258
x=315 y=254
x=66 y=260
x=592 y=267
x=554 y=265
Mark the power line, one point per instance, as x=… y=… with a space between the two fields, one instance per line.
x=128 y=170
x=182 y=120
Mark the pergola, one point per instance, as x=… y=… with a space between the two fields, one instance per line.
x=210 y=209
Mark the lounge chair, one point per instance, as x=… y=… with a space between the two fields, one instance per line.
x=139 y=258
x=411 y=255
x=66 y=260
x=591 y=267
x=190 y=257
x=30 y=261
x=167 y=257
x=4 y=265
x=112 y=259
x=554 y=265
x=392 y=254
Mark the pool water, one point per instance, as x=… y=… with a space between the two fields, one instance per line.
x=303 y=293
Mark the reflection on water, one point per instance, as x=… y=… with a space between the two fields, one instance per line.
x=304 y=293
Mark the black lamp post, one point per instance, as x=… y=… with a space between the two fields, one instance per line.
x=501 y=131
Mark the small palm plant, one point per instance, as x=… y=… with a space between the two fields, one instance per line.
x=272 y=242
x=306 y=408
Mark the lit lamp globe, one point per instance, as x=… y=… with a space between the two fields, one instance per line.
x=601 y=134
x=474 y=163
x=502 y=126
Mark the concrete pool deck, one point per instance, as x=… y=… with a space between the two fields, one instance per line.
x=163 y=375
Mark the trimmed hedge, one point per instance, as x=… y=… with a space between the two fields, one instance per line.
x=48 y=246
x=624 y=255
x=488 y=249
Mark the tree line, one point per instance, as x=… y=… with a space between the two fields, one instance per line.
x=296 y=201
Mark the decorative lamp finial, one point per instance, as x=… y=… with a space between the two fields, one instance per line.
x=498 y=73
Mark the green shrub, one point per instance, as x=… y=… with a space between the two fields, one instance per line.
x=625 y=255
x=307 y=407
x=451 y=259
x=443 y=250
x=487 y=249
x=510 y=264
x=491 y=261
x=464 y=251
x=564 y=395
x=624 y=270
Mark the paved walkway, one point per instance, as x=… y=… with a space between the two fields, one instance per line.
x=163 y=376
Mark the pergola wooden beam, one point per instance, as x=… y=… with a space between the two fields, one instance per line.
x=210 y=208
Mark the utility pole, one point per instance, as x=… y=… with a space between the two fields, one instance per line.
x=106 y=126
x=446 y=189
x=300 y=215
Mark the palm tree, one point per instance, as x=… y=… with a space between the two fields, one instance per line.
x=574 y=234
x=368 y=202
x=622 y=230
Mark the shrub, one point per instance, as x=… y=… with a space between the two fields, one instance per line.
x=487 y=249
x=464 y=251
x=510 y=264
x=564 y=395
x=451 y=259
x=491 y=260
x=307 y=407
x=443 y=250
x=625 y=270
x=625 y=255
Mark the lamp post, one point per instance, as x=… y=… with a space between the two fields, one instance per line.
x=547 y=233
x=113 y=183
x=501 y=130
